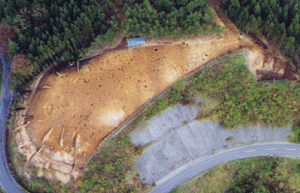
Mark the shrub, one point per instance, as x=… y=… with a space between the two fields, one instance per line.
x=295 y=134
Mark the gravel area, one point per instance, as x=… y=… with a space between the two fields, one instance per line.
x=177 y=138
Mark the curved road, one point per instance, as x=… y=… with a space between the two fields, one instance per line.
x=7 y=182
x=202 y=164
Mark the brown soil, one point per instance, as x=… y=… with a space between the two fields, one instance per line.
x=93 y=101
x=81 y=108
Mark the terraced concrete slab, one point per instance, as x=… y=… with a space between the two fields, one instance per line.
x=172 y=118
x=177 y=138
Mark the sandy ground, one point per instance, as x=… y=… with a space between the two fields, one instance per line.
x=81 y=108
x=95 y=100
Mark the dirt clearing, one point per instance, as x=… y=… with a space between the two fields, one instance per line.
x=81 y=108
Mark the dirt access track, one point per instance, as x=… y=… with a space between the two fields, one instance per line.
x=69 y=120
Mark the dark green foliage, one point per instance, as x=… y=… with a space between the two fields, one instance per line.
x=49 y=31
x=108 y=170
x=278 y=20
x=242 y=101
x=52 y=31
x=179 y=86
x=252 y=175
x=295 y=134
x=168 y=18
x=172 y=97
x=263 y=175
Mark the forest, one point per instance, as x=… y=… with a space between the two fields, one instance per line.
x=48 y=32
x=51 y=31
x=277 y=20
x=169 y=18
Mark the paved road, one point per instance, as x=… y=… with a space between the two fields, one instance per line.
x=6 y=180
x=200 y=165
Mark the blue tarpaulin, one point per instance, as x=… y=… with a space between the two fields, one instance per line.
x=135 y=41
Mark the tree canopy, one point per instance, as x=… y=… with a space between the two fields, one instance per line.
x=278 y=20
x=168 y=18
x=51 y=31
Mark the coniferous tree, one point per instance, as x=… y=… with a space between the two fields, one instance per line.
x=277 y=20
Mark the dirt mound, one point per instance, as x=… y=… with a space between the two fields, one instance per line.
x=254 y=59
x=265 y=65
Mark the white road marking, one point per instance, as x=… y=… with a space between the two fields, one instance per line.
x=251 y=150
x=271 y=149
x=291 y=149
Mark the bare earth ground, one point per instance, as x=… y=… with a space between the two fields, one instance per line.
x=81 y=108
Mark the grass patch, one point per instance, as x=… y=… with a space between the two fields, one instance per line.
x=232 y=96
x=256 y=174
x=111 y=168
x=295 y=134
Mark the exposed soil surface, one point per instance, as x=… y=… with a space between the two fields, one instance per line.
x=69 y=120
x=95 y=100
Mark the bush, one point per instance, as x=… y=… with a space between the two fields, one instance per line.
x=243 y=101
x=295 y=134
x=179 y=86
x=21 y=64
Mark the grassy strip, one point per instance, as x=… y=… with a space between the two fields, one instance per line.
x=257 y=174
x=295 y=134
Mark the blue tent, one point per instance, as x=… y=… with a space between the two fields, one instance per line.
x=135 y=41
